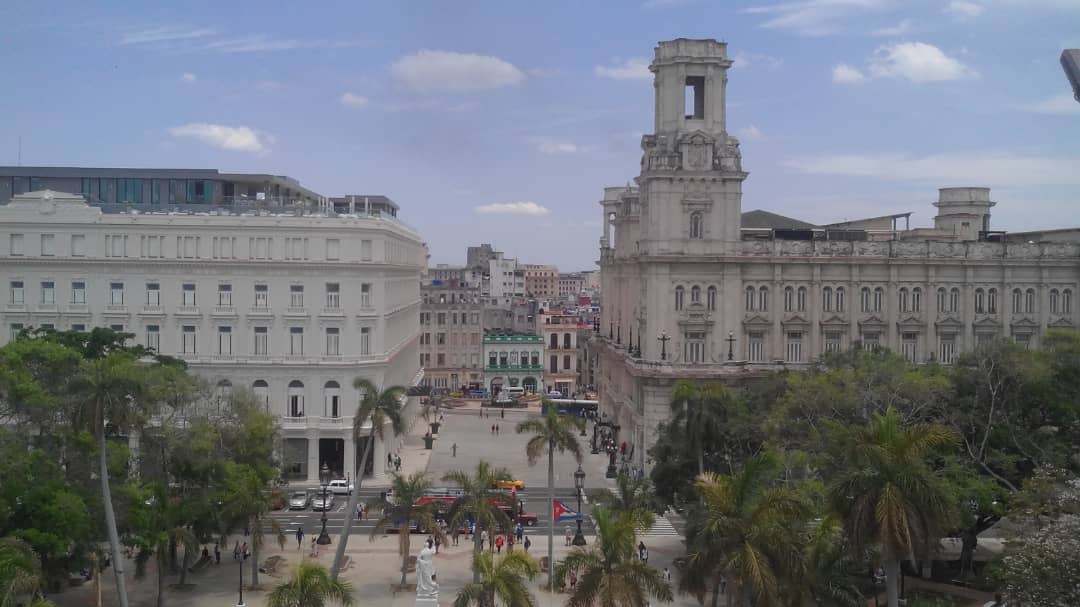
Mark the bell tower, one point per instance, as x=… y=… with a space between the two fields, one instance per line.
x=691 y=169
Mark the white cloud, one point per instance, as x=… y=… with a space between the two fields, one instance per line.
x=188 y=78
x=163 y=34
x=512 y=208
x=750 y=133
x=983 y=167
x=963 y=9
x=845 y=74
x=900 y=29
x=917 y=62
x=554 y=147
x=814 y=17
x=743 y=59
x=1063 y=104
x=352 y=100
x=634 y=68
x=232 y=138
x=429 y=71
x=258 y=43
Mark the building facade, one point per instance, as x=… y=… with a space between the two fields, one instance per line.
x=513 y=360
x=691 y=292
x=541 y=280
x=450 y=336
x=294 y=307
x=560 y=334
x=571 y=285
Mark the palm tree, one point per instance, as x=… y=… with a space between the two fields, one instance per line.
x=503 y=578
x=609 y=572
x=376 y=407
x=404 y=510
x=551 y=432
x=480 y=500
x=886 y=491
x=248 y=504
x=822 y=579
x=632 y=497
x=744 y=532
x=311 y=586
x=113 y=390
x=700 y=408
x=20 y=572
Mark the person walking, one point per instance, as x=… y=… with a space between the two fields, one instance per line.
x=569 y=535
x=217 y=554
x=499 y=544
x=236 y=551
x=246 y=550
x=314 y=548
x=453 y=449
x=389 y=459
x=483 y=537
x=438 y=543
x=509 y=542
x=299 y=538
x=667 y=576
x=528 y=544
x=496 y=429
x=359 y=511
x=397 y=463
x=643 y=552
x=493 y=428
x=519 y=532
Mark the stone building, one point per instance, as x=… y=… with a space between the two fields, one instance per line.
x=292 y=305
x=450 y=336
x=541 y=280
x=571 y=285
x=513 y=360
x=695 y=288
x=559 y=331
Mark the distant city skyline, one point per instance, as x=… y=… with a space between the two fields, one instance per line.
x=501 y=123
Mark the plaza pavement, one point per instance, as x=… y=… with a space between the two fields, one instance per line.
x=375 y=563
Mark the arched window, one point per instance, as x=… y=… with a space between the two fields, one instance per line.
x=991 y=301
x=262 y=393
x=879 y=299
x=535 y=358
x=916 y=300
x=331 y=399
x=695 y=294
x=221 y=392
x=902 y=299
x=504 y=358
x=711 y=298
x=800 y=299
x=789 y=299
x=1066 y=301
x=524 y=358
x=1054 y=303
x=679 y=295
x=942 y=300
x=750 y=299
x=514 y=357
x=763 y=299
x=554 y=341
x=566 y=341
x=826 y=299
x=296 y=398
x=954 y=299
x=697 y=225
x=1029 y=301
x=864 y=299
x=840 y=303
x=1018 y=301
x=980 y=301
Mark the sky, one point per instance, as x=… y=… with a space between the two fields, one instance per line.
x=503 y=121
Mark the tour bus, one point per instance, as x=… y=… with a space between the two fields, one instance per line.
x=568 y=406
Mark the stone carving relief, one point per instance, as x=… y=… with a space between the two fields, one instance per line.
x=800 y=248
x=909 y=249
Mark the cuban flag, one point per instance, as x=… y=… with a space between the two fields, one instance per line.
x=562 y=513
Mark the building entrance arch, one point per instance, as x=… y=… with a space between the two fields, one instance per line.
x=529 y=383
x=496 y=385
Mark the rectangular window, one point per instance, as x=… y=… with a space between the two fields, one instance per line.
x=16 y=244
x=440 y=339
x=153 y=294
x=188 y=294
x=365 y=341
x=566 y=363
x=48 y=245
x=365 y=250
x=695 y=347
x=84 y=188
x=78 y=292
x=833 y=341
x=103 y=190
x=296 y=296
x=151 y=246
x=333 y=341
x=16 y=328
x=365 y=296
x=440 y=359
x=48 y=292
x=223 y=247
x=909 y=346
x=155 y=191
x=78 y=245
x=871 y=341
x=129 y=190
x=1023 y=339
x=296 y=248
x=18 y=293
x=553 y=367
x=333 y=247
x=153 y=337
x=115 y=245
x=187 y=341
x=261 y=341
x=224 y=295
x=296 y=341
x=224 y=340
x=333 y=295
x=116 y=293
x=262 y=296
x=440 y=319
x=794 y=347
x=78 y=327
x=947 y=349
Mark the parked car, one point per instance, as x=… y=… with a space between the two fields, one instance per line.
x=299 y=500
x=510 y=484
x=554 y=394
x=320 y=503
x=340 y=487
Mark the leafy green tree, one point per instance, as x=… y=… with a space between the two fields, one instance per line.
x=311 y=586
x=550 y=433
x=632 y=498
x=745 y=532
x=609 y=572
x=20 y=573
x=154 y=527
x=248 y=503
x=405 y=510
x=376 y=408
x=821 y=577
x=699 y=413
x=886 y=491
x=503 y=578
x=1042 y=567
x=480 y=501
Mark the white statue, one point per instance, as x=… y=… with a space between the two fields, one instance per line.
x=426 y=586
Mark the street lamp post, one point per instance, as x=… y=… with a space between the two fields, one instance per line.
x=730 y=345
x=240 y=603
x=324 y=479
x=579 y=482
x=611 y=449
x=663 y=339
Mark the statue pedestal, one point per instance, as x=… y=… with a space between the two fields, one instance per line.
x=427 y=601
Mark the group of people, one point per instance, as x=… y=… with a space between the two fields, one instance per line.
x=393 y=460
x=240 y=551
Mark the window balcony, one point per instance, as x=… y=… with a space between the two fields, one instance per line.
x=332 y=313
x=187 y=311
x=260 y=311
x=331 y=422
x=115 y=309
x=291 y=311
x=293 y=422
x=152 y=311
x=77 y=309
x=514 y=368
x=224 y=311
x=15 y=309
x=47 y=309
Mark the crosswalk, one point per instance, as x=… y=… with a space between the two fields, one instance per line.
x=661 y=528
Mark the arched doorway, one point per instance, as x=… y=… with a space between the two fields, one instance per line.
x=262 y=393
x=496 y=386
x=529 y=383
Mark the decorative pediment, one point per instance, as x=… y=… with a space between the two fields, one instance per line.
x=1024 y=323
x=697 y=137
x=872 y=322
x=1061 y=323
x=949 y=321
x=987 y=324
x=697 y=150
x=834 y=320
x=757 y=321
x=911 y=322
x=795 y=320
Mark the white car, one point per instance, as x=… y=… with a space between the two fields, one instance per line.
x=554 y=394
x=340 y=487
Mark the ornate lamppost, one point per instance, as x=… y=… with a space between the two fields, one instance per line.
x=663 y=339
x=240 y=603
x=579 y=483
x=324 y=480
x=730 y=345
x=612 y=448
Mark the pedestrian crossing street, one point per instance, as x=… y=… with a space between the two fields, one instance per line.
x=661 y=528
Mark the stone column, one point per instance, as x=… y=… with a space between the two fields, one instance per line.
x=313 y=456
x=349 y=455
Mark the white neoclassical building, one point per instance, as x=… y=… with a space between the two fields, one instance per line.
x=695 y=288
x=293 y=304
